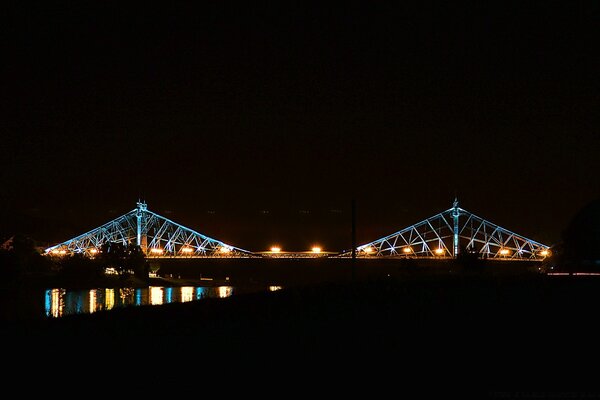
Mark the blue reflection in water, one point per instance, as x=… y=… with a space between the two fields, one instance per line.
x=74 y=302
x=60 y=302
x=48 y=302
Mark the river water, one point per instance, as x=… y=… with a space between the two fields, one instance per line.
x=60 y=302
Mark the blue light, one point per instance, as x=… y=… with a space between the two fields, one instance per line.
x=48 y=302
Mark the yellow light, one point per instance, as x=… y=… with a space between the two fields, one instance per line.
x=225 y=250
x=407 y=249
x=187 y=250
x=316 y=249
x=109 y=298
x=156 y=250
x=156 y=295
x=55 y=252
x=92 y=300
x=368 y=250
x=439 y=251
x=62 y=252
x=504 y=252
x=93 y=251
x=57 y=305
x=275 y=249
x=544 y=253
x=187 y=293
x=224 y=291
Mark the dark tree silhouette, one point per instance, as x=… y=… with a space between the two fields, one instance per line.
x=124 y=259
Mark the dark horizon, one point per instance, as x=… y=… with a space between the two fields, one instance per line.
x=258 y=124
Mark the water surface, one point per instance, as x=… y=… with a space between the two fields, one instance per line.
x=61 y=302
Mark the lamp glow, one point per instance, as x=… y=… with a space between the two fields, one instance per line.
x=439 y=251
x=275 y=249
x=504 y=252
x=407 y=250
x=316 y=249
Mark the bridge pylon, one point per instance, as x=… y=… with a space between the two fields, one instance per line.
x=156 y=235
x=446 y=234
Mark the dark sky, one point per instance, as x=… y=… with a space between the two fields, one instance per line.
x=258 y=123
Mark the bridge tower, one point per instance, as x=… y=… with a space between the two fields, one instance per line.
x=442 y=236
x=156 y=235
x=455 y=215
x=141 y=241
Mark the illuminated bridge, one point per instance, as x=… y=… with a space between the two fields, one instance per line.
x=447 y=234
x=157 y=236
x=444 y=235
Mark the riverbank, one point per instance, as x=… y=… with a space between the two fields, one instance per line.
x=24 y=298
x=485 y=327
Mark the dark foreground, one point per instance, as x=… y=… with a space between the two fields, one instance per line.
x=471 y=333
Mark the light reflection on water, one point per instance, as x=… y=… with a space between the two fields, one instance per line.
x=61 y=302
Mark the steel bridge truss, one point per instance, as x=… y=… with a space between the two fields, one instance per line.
x=157 y=236
x=448 y=233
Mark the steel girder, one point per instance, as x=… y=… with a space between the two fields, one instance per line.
x=446 y=234
x=156 y=235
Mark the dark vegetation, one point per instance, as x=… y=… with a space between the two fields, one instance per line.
x=21 y=263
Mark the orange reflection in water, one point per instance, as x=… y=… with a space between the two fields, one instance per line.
x=109 y=299
x=156 y=295
x=57 y=303
x=187 y=293
x=224 y=291
x=92 y=300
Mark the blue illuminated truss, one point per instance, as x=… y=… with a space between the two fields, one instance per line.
x=157 y=236
x=448 y=233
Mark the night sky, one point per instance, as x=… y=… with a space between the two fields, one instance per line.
x=258 y=123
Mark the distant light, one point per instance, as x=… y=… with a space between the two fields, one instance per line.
x=93 y=251
x=187 y=250
x=504 y=252
x=439 y=251
x=55 y=252
x=156 y=250
x=407 y=249
x=62 y=252
x=544 y=253
x=586 y=273
x=225 y=250
x=316 y=249
x=368 y=250
x=274 y=288
x=275 y=249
